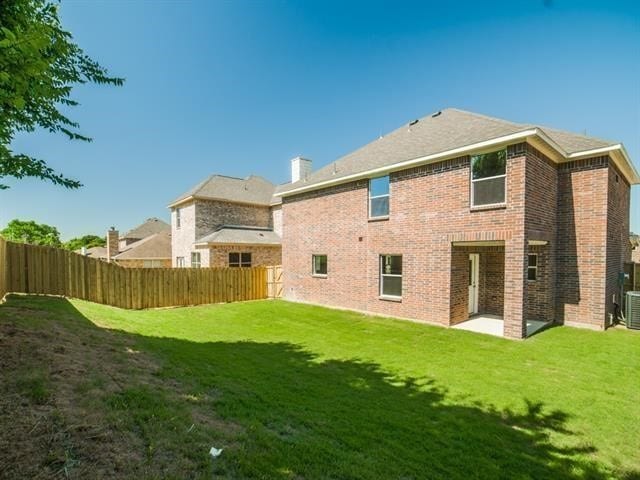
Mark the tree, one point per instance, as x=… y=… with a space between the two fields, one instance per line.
x=87 y=241
x=39 y=65
x=31 y=232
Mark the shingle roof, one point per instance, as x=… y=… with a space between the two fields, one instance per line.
x=94 y=252
x=436 y=133
x=253 y=190
x=149 y=227
x=232 y=234
x=154 y=246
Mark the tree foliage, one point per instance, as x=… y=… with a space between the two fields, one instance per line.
x=87 y=241
x=39 y=65
x=31 y=232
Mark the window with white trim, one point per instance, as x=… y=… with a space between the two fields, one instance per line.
x=195 y=260
x=532 y=267
x=379 y=197
x=488 y=178
x=152 y=263
x=177 y=218
x=180 y=262
x=391 y=276
x=319 y=265
x=240 y=259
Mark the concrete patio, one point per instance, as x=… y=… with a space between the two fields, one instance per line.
x=494 y=325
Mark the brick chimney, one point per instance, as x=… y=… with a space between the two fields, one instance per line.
x=300 y=169
x=112 y=243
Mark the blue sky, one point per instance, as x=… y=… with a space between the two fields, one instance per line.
x=242 y=87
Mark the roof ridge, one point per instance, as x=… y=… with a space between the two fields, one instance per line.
x=486 y=117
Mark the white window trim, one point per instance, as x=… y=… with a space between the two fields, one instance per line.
x=473 y=182
x=180 y=262
x=313 y=265
x=388 y=195
x=382 y=275
x=529 y=267
x=197 y=264
x=178 y=219
x=240 y=263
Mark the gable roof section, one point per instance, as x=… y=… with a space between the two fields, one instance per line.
x=155 y=246
x=240 y=235
x=253 y=190
x=452 y=133
x=150 y=227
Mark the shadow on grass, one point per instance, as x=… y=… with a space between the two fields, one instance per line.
x=304 y=418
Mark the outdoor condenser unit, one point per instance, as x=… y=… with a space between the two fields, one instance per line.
x=633 y=310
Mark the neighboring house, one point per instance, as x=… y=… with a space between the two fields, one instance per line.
x=458 y=214
x=227 y=222
x=635 y=248
x=146 y=246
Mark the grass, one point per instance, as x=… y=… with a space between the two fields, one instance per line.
x=296 y=391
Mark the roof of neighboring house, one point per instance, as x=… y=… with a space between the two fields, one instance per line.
x=252 y=190
x=149 y=227
x=94 y=252
x=154 y=246
x=240 y=234
x=447 y=134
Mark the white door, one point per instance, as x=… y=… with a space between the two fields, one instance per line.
x=474 y=275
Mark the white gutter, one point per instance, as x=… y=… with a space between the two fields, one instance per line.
x=634 y=177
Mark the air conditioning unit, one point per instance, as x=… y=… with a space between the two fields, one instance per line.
x=633 y=310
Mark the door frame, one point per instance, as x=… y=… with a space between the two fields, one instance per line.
x=474 y=281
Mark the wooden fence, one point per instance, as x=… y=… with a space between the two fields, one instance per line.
x=52 y=271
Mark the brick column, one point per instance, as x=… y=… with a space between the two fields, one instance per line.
x=515 y=287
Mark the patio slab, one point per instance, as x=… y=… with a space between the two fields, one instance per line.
x=494 y=325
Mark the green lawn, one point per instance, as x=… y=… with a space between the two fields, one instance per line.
x=296 y=391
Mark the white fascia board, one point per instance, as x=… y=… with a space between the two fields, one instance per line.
x=416 y=161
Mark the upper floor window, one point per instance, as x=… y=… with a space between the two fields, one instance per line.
x=379 y=197
x=177 y=218
x=319 y=265
x=195 y=260
x=237 y=259
x=488 y=178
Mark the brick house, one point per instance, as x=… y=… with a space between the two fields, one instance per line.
x=635 y=248
x=457 y=215
x=227 y=222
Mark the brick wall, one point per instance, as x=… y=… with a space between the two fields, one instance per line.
x=276 y=219
x=635 y=255
x=260 y=255
x=581 y=242
x=429 y=209
x=139 y=263
x=618 y=245
x=210 y=215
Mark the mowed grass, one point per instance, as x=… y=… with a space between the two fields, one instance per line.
x=297 y=391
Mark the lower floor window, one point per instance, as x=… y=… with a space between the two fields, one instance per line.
x=319 y=264
x=391 y=276
x=532 y=267
x=195 y=260
x=240 y=259
x=152 y=263
x=180 y=262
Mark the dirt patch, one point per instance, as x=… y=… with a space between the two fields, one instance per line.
x=77 y=401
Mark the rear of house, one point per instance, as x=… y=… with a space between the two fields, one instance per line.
x=458 y=215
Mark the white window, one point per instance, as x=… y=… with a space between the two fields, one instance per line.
x=195 y=260
x=180 y=262
x=177 y=218
x=391 y=276
x=237 y=259
x=532 y=267
x=379 y=197
x=319 y=265
x=488 y=178
x=152 y=263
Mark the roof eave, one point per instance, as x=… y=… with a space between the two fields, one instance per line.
x=230 y=244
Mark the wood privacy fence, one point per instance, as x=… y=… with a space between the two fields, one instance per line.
x=52 y=271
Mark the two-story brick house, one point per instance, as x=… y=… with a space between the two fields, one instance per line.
x=227 y=222
x=458 y=214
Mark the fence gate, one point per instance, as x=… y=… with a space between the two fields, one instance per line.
x=274 y=281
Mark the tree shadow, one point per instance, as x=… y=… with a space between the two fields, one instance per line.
x=301 y=417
